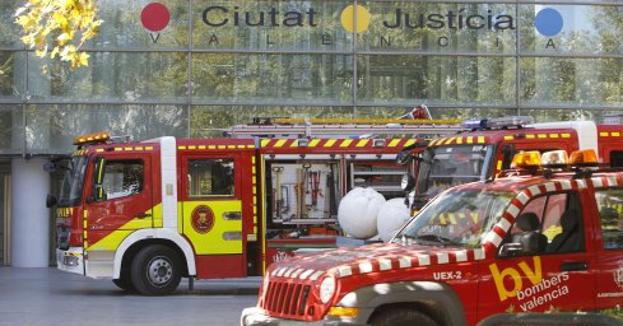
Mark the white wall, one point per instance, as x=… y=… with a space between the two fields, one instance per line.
x=31 y=226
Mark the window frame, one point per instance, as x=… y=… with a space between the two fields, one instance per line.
x=185 y=184
x=599 y=220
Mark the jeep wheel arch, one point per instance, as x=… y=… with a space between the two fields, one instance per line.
x=438 y=300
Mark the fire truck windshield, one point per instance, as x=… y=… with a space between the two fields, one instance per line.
x=445 y=166
x=71 y=188
x=458 y=218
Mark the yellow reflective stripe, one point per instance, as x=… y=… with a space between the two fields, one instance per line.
x=459 y=140
x=330 y=143
x=363 y=143
x=264 y=142
x=346 y=142
x=481 y=139
x=449 y=141
x=542 y=136
x=565 y=135
x=530 y=136
x=394 y=143
x=509 y=137
x=470 y=140
x=604 y=134
x=280 y=143
x=554 y=136
x=192 y=147
x=410 y=142
x=615 y=134
x=499 y=167
x=313 y=142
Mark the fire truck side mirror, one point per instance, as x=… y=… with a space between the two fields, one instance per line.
x=50 y=201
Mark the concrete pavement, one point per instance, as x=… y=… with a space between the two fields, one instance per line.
x=49 y=297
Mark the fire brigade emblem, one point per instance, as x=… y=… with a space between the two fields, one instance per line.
x=618 y=277
x=202 y=219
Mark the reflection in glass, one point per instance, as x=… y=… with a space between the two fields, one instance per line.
x=113 y=76
x=279 y=78
x=411 y=80
x=51 y=128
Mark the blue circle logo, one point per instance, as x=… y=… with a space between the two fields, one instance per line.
x=548 y=22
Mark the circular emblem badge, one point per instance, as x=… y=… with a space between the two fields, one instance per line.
x=202 y=219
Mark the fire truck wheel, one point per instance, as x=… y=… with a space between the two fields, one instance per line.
x=156 y=270
x=124 y=283
x=401 y=317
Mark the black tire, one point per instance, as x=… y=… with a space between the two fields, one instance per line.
x=401 y=317
x=156 y=270
x=124 y=283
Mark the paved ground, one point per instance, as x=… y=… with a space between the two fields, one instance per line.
x=50 y=297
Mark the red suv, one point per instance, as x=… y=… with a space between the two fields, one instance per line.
x=527 y=242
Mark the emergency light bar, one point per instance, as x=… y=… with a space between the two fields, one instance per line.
x=498 y=123
x=98 y=137
x=554 y=159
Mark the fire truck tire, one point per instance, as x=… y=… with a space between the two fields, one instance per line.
x=156 y=270
x=124 y=283
x=401 y=317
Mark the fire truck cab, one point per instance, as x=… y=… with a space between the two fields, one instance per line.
x=148 y=213
x=489 y=146
x=537 y=238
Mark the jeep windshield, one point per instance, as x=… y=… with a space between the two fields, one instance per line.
x=446 y=166
x=456 y=218
x=71 y=188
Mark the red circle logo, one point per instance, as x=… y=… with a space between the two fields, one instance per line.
x=155 y=17
x=202 y=219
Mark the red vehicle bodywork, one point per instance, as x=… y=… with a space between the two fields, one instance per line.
x=458 y=285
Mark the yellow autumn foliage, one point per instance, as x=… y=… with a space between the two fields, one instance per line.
x=59 y=28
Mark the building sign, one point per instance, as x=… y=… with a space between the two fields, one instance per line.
x=381 y=25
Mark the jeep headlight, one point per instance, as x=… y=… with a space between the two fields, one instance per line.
x=327 y=289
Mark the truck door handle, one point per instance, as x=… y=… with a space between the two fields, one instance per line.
x=232 y=215
x=574 y=266
x=142 y=215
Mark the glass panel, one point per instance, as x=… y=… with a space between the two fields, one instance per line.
x=270 y=25
x=123 y=27
x=437 y=81
x=610 y=205
x=210 y=178
x=9 y=31
x=284 y=79
x=122 y=178
x=51 y=128
x=113 y=76
x=572 y=82
x=440 y=27
x=437 y=112
x=211 y=121
x=12 y=74
x=11 y=130
x=572 y=29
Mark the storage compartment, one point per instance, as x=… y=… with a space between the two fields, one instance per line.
x=382 y=176
x=302 y=192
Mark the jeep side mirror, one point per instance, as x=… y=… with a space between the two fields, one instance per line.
x=50 y=201
x=511 y=249
x=404 y=156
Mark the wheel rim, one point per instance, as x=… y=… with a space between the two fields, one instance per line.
x=159 y=271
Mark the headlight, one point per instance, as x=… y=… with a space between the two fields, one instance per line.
x=327 y=289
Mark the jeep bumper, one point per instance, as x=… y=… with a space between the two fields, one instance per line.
x=257 y=317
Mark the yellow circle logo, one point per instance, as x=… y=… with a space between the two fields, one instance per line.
x=348 y=19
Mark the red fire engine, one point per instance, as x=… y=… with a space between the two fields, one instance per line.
x=535 y=239
x=489 y=145
x=148 y=213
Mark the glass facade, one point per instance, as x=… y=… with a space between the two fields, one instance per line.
x=223 y=62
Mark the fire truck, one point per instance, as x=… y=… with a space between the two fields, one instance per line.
x=544 y=235
x=488 y=146
x=148 y=213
